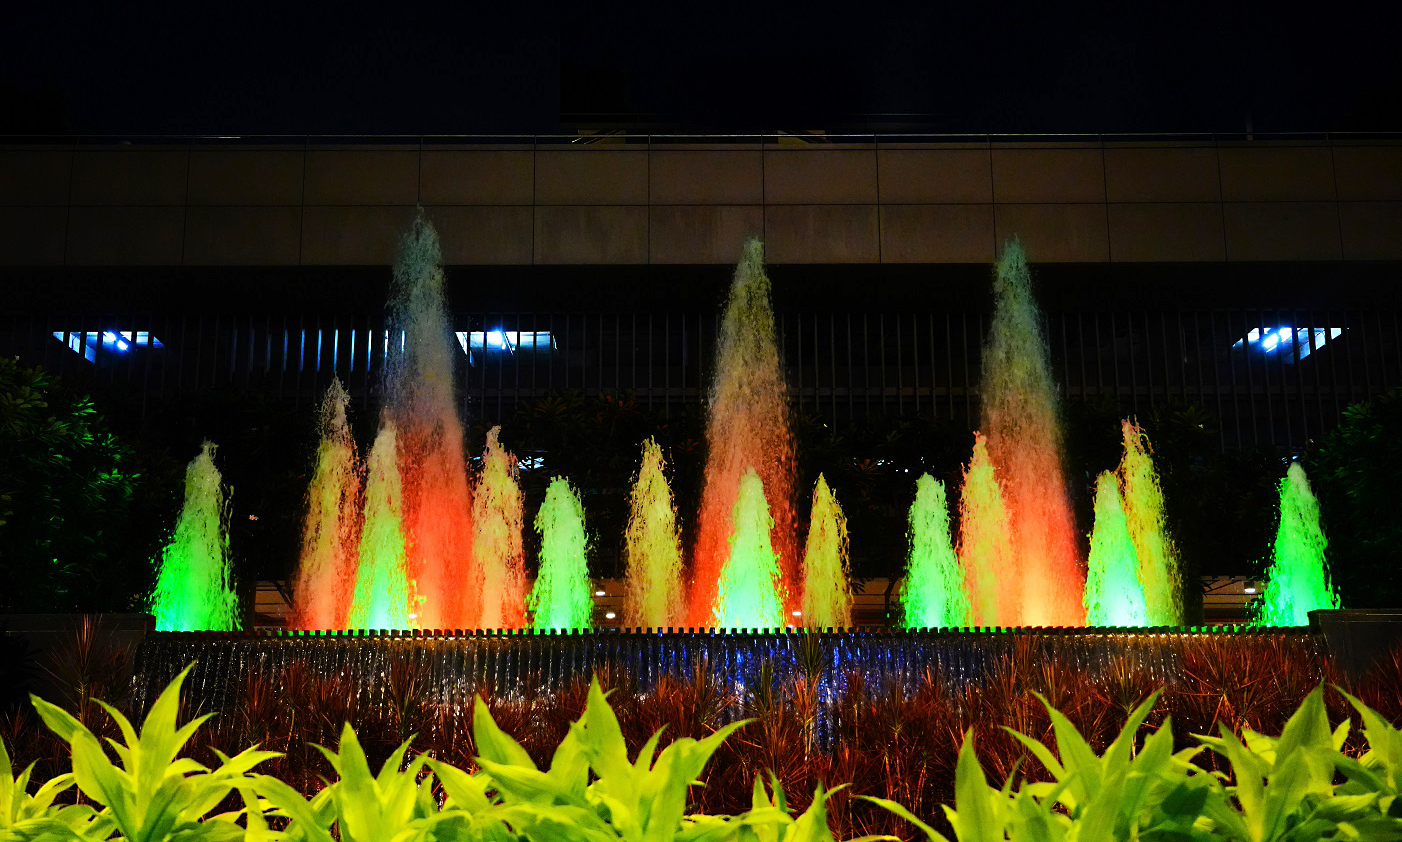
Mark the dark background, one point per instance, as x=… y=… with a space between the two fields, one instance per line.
x=545 y=67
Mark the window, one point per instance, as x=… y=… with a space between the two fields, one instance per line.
x=110 y=341
x=1292 y=343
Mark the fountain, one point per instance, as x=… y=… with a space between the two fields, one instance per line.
x=192 y=583
x=1114 y=589
x=382 y=595
x=1042 y=576
x=326 y=570
x=750 y=591
x=827 y=588
x=1297 y=581
x=985 y=545
x=437 y=501
x=561 y=597
x=499 y=559
x=652 y=596
x=432 y=554
x=1144 y=512
x=933 y=594
x=747 y=430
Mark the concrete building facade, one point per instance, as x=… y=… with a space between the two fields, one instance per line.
x=1101 y=201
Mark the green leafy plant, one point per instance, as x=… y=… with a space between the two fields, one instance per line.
x=1281 y=789
x=149 y=792
x=36 y=816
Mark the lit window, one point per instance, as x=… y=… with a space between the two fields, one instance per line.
x=110 y=341
x=1293 y=343
x=507 y=341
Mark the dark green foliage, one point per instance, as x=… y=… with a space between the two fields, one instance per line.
x=74 y=533
x=1354 y=472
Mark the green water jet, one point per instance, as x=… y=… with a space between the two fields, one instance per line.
x=1144 y=512
x=1297 y=581
x=749 y=593
x=933 y=595
x=1114 y=593
x=561 y=597
x=193 y=590
x=652 y=596
x=381 y=598
x=827 y=582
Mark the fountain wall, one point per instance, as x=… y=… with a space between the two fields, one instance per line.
x=524 y=663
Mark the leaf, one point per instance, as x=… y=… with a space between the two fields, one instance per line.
x=494 y=744
x=974 y=818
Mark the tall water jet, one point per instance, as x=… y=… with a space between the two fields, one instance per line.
x=985 y=548
x=499 y=559
x=330 y=530
x=1114 y=593
x=419 y=385
x=561 y=597
x=1297 y=581
x=381 y=599
x=193 y=591
x=933 y=595
x=750 y=591
x=652 y=596
x=747 y=429
x=1021 y=420
x=1144 y=510
x=827 y=585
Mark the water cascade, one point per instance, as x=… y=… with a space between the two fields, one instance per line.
x=750 y=591
x=193 y=590
x=1114 y=592
x=419 y=382
x=1297 y=581
x=827 y=586
x=933 y=595
x=747 y=430
x=1144 y=510
x=652 y=597
x=499 y=559
x=381 y=599
x=985 y=549
x=1043 y=574
x=561 y=597
x=326 y=569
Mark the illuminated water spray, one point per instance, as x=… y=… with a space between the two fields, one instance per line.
x=933 y=595
x=382 y=593
x=1144 y=511
x=827 y=586
x=985 y=549
x=1297 y=581
x=652 y=596
x=1021 y=421
x=326 y=569
x=498 y=556
x=750 y=593
x=193 y=591
x=419 y=382
x=747 y=429
x=1114 y=593
x=561 y=597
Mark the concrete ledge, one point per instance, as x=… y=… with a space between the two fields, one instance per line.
x=1358 y=637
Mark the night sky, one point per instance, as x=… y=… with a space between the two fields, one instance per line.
x=218 y=68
